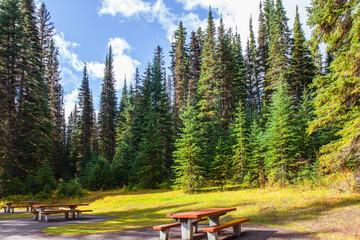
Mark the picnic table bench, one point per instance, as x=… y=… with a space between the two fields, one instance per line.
x=25 y=204
x=41 y=212
x=66 y=213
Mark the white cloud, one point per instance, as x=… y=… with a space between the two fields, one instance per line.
x=151 y=12
x=69 y=102
x=236 y=13
x=67 y=55
x=124 y=65
x=96 y=69
x=126 y=7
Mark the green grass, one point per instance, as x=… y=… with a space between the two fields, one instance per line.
x=321 y=212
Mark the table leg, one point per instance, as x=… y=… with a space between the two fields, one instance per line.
x=41 y=210
x=214 y=220
x=72 y=215
x=8 y=208
x=187 y=228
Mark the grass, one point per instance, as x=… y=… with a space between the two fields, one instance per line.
x=323 y=212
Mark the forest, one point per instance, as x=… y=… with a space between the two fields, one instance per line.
x=269 y=111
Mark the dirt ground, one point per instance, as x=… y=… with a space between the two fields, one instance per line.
x=28 y=229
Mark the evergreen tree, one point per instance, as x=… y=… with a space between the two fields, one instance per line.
x=238 y=91
x=87 y=113
x=240 y=148
x=120 y=115
x=125 y=149
x=253 y=86
x=302 y=69
x=107 y=114
x=208 y=85
x=181 y=71
x=337 y=99
x=57 y=115
x=255 y=168
x=11 y=48
x=188 y=155
x=194 y=64
x=34 y=127
x=280 y=44
x=262 y=53
x=281 y=137
x=224 y=72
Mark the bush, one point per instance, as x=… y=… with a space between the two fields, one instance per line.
x=31 y=185
x=69 y=189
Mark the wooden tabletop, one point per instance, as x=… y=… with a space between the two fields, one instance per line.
x=23 y=202
x=61 y=205
x=201 y=213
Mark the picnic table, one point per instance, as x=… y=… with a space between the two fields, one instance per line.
x=187 y=218
x=28 y=204
x=72 y=209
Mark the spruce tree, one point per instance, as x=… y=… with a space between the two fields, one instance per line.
x=336 y=98
x=194 y=64
x=240 y=147
x=281 y=137
x=34 y=127
x=188 y=155
x=208 y=90
x=11 y=48
x=181 y=71
x=87 y=114
x=107 y=113
x=125 y=149
x=255 y=175
x=302 y=69
x=280 y=44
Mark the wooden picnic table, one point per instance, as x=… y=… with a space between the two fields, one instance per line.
x=29 y=204
x=72 y=207
x=187 y=218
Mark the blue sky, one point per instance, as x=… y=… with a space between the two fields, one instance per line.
x=86 y=28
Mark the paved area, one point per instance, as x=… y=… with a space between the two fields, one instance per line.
x=28 y=229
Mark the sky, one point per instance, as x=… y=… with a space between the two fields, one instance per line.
x=134 y=28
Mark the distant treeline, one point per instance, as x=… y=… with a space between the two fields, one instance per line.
x=276 y=115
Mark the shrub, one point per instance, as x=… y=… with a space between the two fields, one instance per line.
x=69 y=189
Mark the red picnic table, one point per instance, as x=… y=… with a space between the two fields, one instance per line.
x=187 y=218
x=72 y=207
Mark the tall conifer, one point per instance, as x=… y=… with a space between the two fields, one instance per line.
x=107 y=113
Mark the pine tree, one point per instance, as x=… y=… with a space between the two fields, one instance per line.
x=188 y=154
x=238 y=91
x=262 y=51
x=280 y=44
x=11 y=48
x=107 y=113
x=57 y=116
x=224 y=71
x=337 y=99
x=125 y=149
x=255 y=168
x=208 y=85
x=281 y=136
x=240 y=146
x=181 y=71
x=302 y=69
x=33 y=113
x=194 y=64
x=87 y=114
x=120 y=114
x=253 y=86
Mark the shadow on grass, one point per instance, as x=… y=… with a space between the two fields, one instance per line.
x=311 y=211
x=131 y=219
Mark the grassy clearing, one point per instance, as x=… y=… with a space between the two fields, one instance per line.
x=322 y=212
x=326 y=213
